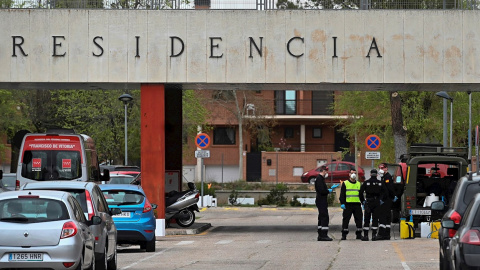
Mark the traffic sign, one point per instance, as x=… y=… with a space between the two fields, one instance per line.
x=202 y=140
x=372 y=155
x=202 y=153
x=373 y=142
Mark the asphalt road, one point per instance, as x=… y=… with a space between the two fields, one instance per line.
x=278 y=238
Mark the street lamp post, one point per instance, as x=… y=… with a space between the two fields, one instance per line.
x=126 y=98
x=445 y=96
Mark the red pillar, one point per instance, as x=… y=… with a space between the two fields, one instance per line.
x=152 y=144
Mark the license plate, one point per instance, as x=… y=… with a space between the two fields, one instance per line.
x=123 y=215
x=24 y=257
x=420 y=212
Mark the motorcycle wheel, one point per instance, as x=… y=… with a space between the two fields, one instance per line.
x=188 y=221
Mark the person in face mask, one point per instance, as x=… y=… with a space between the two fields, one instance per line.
x=322 y=204
x=386 y=208
x=351 y=203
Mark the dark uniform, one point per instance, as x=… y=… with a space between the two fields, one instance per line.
x=322 y=205
x=386 y=208
x=374 y=193
x=351 y=197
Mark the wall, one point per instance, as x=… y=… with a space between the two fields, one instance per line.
x=212 y=49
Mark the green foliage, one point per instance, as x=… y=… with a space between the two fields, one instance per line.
x=295 y=203
x=276 y=196
x=194 y=114
x=232 y=198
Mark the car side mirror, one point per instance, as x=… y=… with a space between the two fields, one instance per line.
x=448 y=224
x=1 y=174
x=154 y=206
x=438 y=206
x=398 y=180
x=96 y=220
x=115 y=211
x=106 y=175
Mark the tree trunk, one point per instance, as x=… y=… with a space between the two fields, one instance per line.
x=240 y=135
x=399 y=130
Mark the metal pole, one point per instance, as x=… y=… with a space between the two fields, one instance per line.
x=222 y=169
x=451 y=121
x=126 y=137
x=276 y=170
x=445 y=122
x=201 y=186
x=469 y=131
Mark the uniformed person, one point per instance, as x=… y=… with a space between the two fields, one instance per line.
x=322 y=204
x=351 y=203
x=386 y=208
x=374 y=194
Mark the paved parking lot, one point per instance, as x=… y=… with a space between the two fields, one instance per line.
x=277 y=238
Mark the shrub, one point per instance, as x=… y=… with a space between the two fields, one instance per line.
x=276 y=196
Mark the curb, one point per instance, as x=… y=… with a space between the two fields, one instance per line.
x=199 y=228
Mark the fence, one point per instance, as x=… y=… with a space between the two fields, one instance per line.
x=239 y=4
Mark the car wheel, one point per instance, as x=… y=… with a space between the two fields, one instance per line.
x=92 y=264
x=112 y=264
x=189 y=220
x=101 y=263
x=443 y=262
x=150 y=245
x=311 y=180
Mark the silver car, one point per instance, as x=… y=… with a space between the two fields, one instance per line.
x=8 y=181
x=44 y=229
x=93 y=203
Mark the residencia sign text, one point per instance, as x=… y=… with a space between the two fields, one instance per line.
x=178 y=47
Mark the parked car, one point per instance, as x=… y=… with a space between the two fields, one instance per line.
x=120 y=179
x=337 y=171
x=466 y=188
x=131 y=173
x=44 y=229
x=7 y=182
x=120 y=168
x=136 y=224
x=93 y=203
x=464 y=250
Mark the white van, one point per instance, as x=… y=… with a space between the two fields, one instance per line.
x=58 y=154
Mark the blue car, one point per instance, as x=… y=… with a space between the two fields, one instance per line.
x=136 y=224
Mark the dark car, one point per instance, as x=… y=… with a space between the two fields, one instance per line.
x=466 y=188
x=337 y=171
x=465 y=244
x=93 y=203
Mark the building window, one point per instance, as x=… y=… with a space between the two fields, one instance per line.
x=322 y=102
x=317 y=132
x=285 y=102
x=288 y=132
x=224 y=135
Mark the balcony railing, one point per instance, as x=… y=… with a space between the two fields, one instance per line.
x=240 y=4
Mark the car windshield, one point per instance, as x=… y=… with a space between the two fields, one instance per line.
x=32 y=210
x=121 y=179
x=123 y=197
x=53 y=165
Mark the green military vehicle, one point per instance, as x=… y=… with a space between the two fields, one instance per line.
x=429 y=172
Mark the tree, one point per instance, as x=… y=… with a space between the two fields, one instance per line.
x=247 y=109
x=194 y=114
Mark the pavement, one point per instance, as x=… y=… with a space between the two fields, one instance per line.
x=196 y=228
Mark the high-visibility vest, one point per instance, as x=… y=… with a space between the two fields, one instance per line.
x=353 y=190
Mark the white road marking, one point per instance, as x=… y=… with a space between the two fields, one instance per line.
x=263 y=241
x=184 y=243
x=405 y=266
x=224 y=242
x=145 y=259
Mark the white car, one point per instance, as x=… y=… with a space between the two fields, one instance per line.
x=44 y=229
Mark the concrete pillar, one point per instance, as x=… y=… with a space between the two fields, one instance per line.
x=153 y=148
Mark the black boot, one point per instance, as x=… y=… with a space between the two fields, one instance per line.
x=344 y=235
x=387 y=234
x=322 y=236
x=365 y=235
x=359 y=234
x=378 y=236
